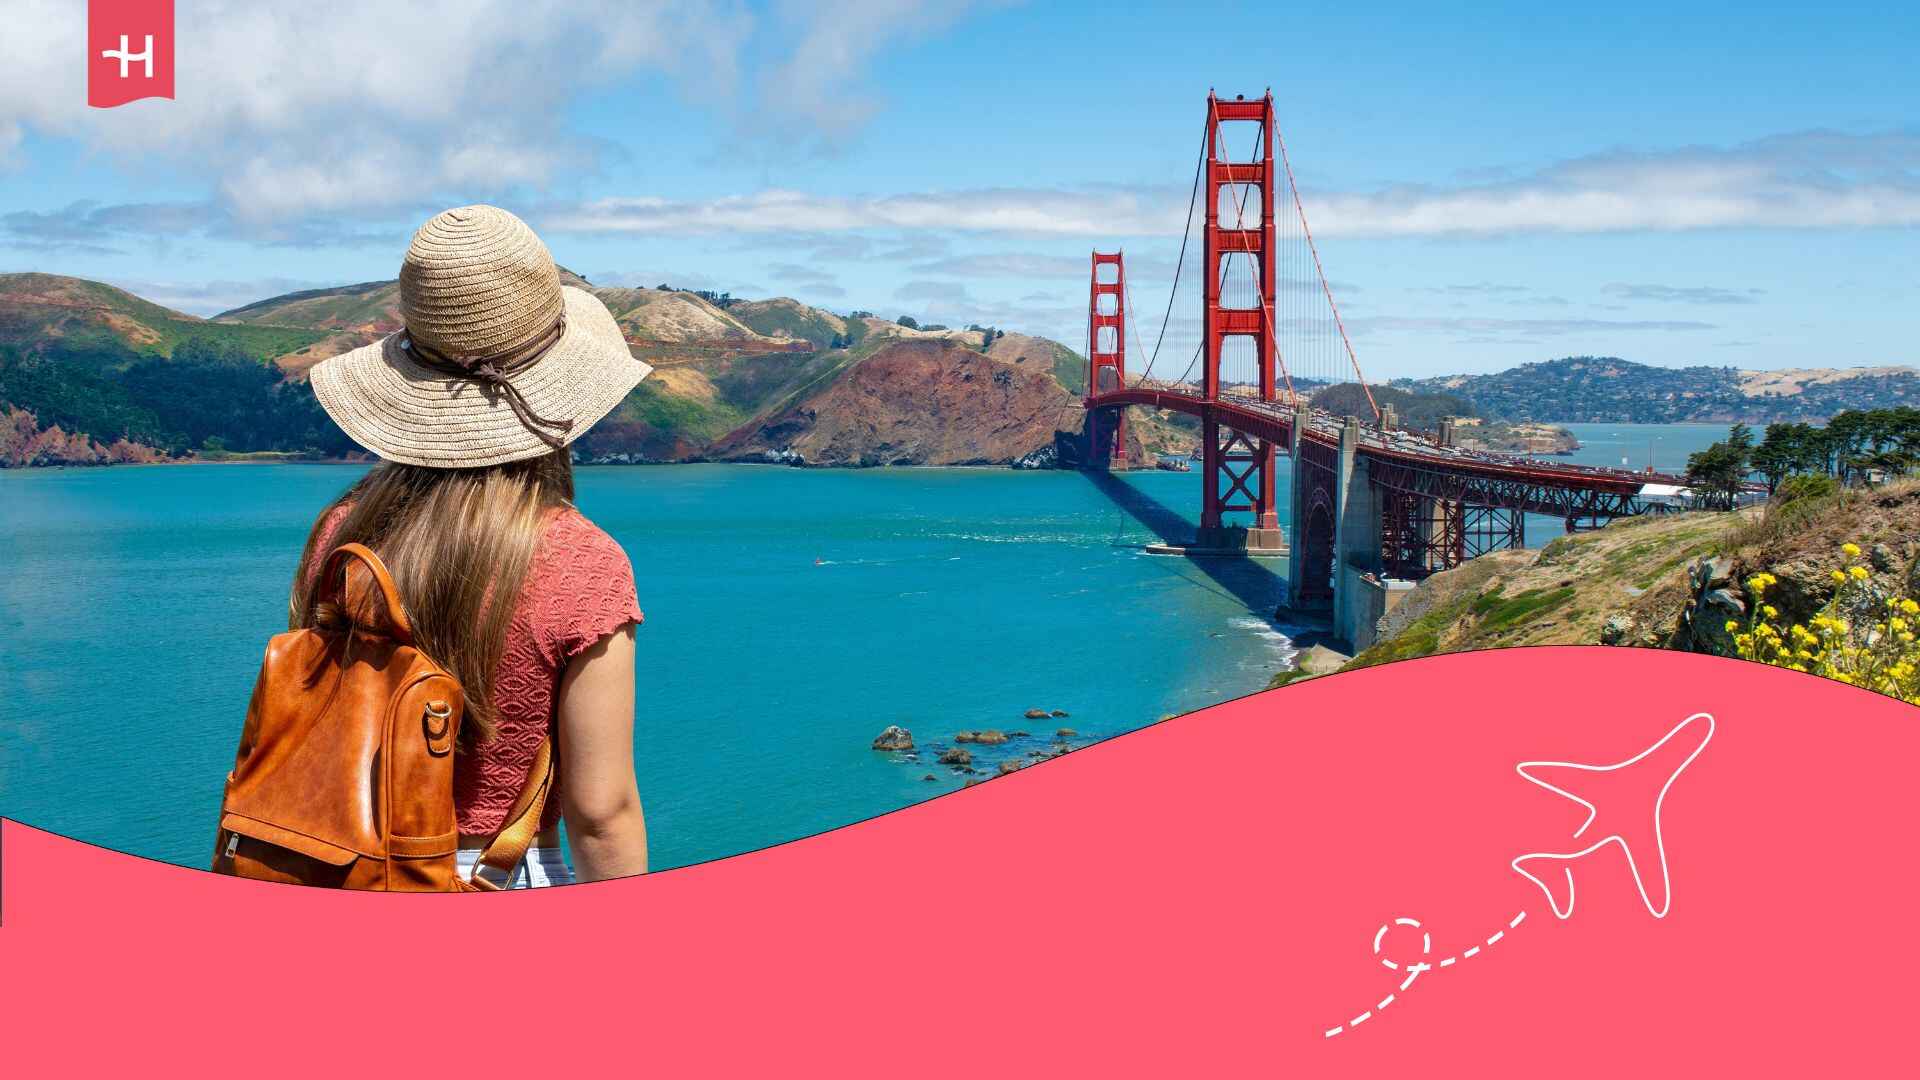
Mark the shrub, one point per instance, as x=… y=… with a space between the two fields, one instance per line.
x=1805 y=486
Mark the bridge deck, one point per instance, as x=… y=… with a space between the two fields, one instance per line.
x=1274 y=422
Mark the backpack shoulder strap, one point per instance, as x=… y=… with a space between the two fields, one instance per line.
x=510 y=844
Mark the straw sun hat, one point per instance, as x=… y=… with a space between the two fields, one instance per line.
x=498 y=361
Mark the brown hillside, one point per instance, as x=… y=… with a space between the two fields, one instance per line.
x=914 y=402
x=40 y=307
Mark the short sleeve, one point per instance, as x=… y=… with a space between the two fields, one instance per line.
x=584 y=586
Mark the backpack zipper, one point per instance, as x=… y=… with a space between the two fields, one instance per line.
x=233 y=843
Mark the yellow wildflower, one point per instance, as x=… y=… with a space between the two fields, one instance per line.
x=1851 y=551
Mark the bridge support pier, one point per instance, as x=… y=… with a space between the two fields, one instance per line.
x=1243 y=466
x=1356 y=553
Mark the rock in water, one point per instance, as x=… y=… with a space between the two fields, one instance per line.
x=930 y=776
x=1010 y=765
x=1059 y=712
x=991 y=737
x=957 y=756
x=894 y=738
x=1038 y=714
x=1065 y=733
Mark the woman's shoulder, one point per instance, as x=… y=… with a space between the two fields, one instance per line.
x=569 y=537
x=581 y=586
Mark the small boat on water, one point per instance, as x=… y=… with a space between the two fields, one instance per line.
x=1174 y=464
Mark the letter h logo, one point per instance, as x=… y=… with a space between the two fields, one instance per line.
x=116 y=74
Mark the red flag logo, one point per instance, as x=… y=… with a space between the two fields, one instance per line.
x=129 y=51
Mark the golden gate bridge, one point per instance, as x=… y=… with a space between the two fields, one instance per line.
x=1372 y=507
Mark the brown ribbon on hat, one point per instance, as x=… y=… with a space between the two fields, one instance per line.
x=496 y=373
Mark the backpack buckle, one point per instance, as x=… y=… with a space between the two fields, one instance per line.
x=436 y=721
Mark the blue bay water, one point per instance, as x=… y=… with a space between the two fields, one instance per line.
x=1634 y=446
x=1630 y=446
x=791 y=614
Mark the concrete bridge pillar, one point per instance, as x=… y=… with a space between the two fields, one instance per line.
x=1356 y=548
x=1297 y=503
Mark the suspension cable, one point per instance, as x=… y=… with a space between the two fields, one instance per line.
x=1193 y=199
x=1127 y=287
x=1202 y=346
x=1318 y=269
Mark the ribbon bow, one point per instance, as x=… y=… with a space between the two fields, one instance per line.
x=496 y=373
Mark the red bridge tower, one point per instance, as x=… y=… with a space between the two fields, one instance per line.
x=1238 y=469
x=1107 y=360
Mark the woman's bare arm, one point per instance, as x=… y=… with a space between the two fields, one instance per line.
x=600 y=799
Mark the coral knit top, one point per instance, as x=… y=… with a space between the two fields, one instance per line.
x=579 y=589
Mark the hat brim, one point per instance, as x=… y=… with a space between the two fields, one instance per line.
x=408 y=413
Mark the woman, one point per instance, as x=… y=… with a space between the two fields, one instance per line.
x=471 y=408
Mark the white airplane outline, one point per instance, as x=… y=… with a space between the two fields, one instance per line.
x=1633 y=865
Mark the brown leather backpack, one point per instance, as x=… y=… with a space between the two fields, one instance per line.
x=344 y=777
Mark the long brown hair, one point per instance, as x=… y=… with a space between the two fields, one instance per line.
x=459 y=543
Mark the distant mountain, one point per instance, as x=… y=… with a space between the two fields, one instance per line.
x=46 y=314
x=1606 y=389
x=83 y=365
x=1022 y=350
x=782 y=318
x=346 y=317
x=91 y=373
x=1414 y=410
x=913 y=402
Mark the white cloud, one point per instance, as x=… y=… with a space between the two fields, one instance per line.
x=1007 y=265
x=1516 y=330
x=1104 y=212
x=817 y=83
x=212 y=297
x=1807 y=180
x=1672 y=294
x=308 y=109
x=1810 y=180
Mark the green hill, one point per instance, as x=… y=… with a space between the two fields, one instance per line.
x=781 y=317
x=92 y=322
x=103 y=365
x=1417 y=410
x=1607 y=389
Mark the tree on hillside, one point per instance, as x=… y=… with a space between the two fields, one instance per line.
x=1717 y=473
x=1853 y=441
x=908 y=322
x=1780 y=453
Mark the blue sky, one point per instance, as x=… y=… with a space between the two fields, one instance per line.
x=1724 y=184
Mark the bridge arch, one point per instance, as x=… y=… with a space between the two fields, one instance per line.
x=1315 y=568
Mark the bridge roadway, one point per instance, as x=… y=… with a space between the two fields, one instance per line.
x=1409 y=462
x=1374 y=510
